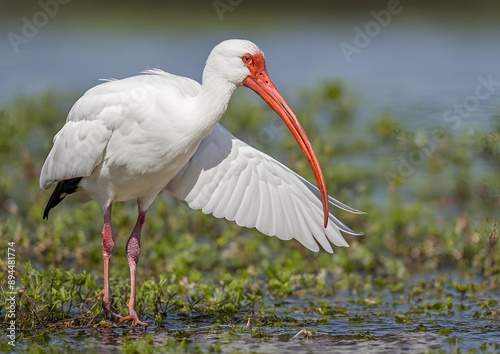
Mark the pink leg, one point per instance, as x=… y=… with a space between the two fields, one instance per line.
x=108 y=246
x=133 y=251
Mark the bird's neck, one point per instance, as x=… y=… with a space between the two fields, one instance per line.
x=213 y=100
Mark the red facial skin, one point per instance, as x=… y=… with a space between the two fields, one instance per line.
x=260 y=82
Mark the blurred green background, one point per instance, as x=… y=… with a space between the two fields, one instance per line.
x=400 y=127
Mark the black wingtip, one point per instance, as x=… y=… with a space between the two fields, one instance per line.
x=62 y=189
x=47 y=209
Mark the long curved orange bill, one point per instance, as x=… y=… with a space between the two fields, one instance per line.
x=262 y=85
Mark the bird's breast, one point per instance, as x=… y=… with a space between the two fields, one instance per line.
x=140 y=163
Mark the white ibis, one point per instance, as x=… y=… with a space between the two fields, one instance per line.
x=131 y=138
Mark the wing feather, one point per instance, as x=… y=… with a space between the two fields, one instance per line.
x=246 y=200
x=251 y=218
x=230 y=179
x=78 y=148
x=111 y=108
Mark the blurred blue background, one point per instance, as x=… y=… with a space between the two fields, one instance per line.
x=419 y=62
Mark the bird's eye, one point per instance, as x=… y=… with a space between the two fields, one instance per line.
x=247 y=59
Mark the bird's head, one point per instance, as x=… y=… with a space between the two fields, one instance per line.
x=241 y=62
x=234 y=60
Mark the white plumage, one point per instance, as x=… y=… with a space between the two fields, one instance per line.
x=131 y=138
x=125 y=137
x=232 y=180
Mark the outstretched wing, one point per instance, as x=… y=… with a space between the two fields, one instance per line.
x=232 y=180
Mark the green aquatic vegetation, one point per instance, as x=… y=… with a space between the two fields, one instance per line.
x=263 y=321
x=55 y=297
x=141 y=345
x=386 y=126
x=402 y=319
x=429 y=260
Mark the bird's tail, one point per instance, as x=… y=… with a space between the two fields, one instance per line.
x=62 y=189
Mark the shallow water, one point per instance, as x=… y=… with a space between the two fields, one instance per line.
x=418 y=72
x=376 y=322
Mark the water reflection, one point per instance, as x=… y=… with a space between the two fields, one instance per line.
x=369 y=328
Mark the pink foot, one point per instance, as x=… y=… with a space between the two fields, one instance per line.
x=110 y=315
x=134 y=318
